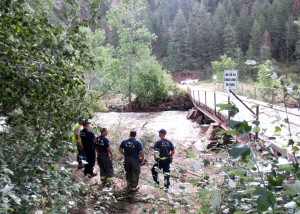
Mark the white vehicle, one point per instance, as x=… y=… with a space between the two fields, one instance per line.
x=188 y=81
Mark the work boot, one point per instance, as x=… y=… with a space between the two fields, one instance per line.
x=103 y=179
x=80 y=166
x=132 y=189
x=93 y=175
x=108 y=182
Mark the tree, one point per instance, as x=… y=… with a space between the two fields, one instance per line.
x=43 y=91
x=266 y=80
x=230 y=41
x=178 y=47
x=265 y=53
x=210 y=5
x=224 y=63
x=256 y=36
x=198 y=34
x=133 y=52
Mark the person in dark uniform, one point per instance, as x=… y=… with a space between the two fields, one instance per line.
x=104 y=157
x=163 y=156
x=133 y=151
x=88 y=144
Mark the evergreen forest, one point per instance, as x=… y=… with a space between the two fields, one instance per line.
x=60 y=59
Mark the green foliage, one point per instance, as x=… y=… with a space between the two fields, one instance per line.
x=267 y=79
x=231 y=107
x=265 y=199
x=245 y=167
x=178 y=50
x=240 y=150
x=43 y=91
x=230 y=41
x=138 y=72
x=190 y=154
x=219 y=66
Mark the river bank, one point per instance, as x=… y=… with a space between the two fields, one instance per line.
x=187 y=138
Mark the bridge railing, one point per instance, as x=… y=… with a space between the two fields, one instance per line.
x=207 y=101
x=270 y=95
x=270 y=116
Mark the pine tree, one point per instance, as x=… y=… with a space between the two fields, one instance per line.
x=256 y=36
x=231 y=13
x=178 y=47
x=210 y=5
x=266 y=39
x=250 y=53
x=276 y=37
x=230 y=41
x=243 y=28
x=218 y=24
x=198 y=34
x=265 y=53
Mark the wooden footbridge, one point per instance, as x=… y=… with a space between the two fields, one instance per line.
x=274 y=126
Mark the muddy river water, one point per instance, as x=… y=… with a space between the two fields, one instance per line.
x=181 y=131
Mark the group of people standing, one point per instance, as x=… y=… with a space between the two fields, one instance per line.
x=132 y=150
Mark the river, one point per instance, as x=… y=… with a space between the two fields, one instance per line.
x=180 y=130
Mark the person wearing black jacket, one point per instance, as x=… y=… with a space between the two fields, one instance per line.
x=104 y=157
x=88 y=144
x=133 y=152
x=163 y=156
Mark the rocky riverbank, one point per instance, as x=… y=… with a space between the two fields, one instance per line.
x=180 y=102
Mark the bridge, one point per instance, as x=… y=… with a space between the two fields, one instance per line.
x=274 y=126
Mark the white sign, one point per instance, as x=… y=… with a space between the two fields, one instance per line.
x=230 y=79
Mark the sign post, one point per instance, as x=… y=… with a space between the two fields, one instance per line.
x=230 y=79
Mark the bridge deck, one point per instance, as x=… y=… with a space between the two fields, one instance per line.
x=270 y=117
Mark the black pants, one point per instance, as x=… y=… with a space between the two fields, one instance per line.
x=165 y=165
x=133 y=170
x=90 y=158
x=80 y=155
x=105 y=165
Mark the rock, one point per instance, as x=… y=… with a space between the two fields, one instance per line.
x=204 y=128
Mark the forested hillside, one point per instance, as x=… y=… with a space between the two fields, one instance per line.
x=193 y=33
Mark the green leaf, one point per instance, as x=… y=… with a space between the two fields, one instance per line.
x=292 y=189
x=203 y=192
x=256 y=129
x=193 y=181
x=291 y=142
x=206 y=163
x=216 y=200
x=256 y=122
x=240 y=150
x=295 y=149
x=232 y=109
x=286 y=167
x=226 y=132
x=275 y=181
x=224 y=106
x=239 y=212
x=181 y=171
x=277 y=129
x=240 y=127
x=237 y=172
x=265 y=198
x=190 y=154
x=233 y=123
